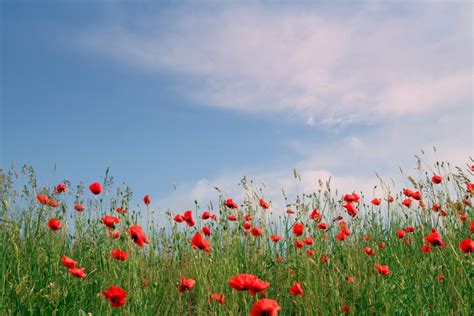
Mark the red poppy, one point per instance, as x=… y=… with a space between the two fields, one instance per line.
x=217 y=297
x=147 y=200
x=247 y=225
x=416 y=195
x=232 y=218
x=390 y=199
x=345 y=309
x=79 y=207
x=263 y=204
x=119 y=254
x=409 y=229
x=324 y=259
x=296 y=289
x=383 y=270
x=436 y=207
x=199 y=242
x=110 y=221
x=279 y=259
x=43 y=199
x=351 y=210
x=206 y=231
x=178 y=218
x=437 y=179
x=275 y=238
x=299 y=243
x=68 y=262
x=310 y=253
x=207 y=215
x=138 y=237
x=188 y=218
x=322 y=226
x=308 y=240
x=298 y=229
x=350 y=279
x=95 y=188
x=435 y=238
x=186 y=284
x=265 y=307
x=470 y=187
x=114 y=234
x=61 y=188
x=349 y=198
x=426 y=248
x=366 y=238
x=381 y=245
x=290 y=211
x=315 y=215
x=369 y=251
x=116 y=295
x=407 y=202
x=248 y=282
x=54 y=224
x=77 y=272
x=231 y=204
x=376 y=201
x=440 y=276
x=467 y=245
x=401 y=234
x=121 y=210
x=407 y=192
x=471 y=227
x=256 y=231
x=463 y=218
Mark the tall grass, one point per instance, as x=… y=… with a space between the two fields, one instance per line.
x=33 y=280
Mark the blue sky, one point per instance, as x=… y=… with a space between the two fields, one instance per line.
x=201 y=95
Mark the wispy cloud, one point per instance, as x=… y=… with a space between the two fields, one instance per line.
x=326 y=67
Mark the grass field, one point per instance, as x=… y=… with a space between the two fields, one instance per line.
x=379 y=257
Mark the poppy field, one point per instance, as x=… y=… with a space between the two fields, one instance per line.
x=99 y=248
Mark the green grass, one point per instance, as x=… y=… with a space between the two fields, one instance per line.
x=33 y=281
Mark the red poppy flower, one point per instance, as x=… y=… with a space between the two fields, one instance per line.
x=217 y=297
x=95 y=188
x=256 y=231
x=121 y=210
x=471 y=227
x=435 y=238
x=296 y=289
x=119 y=254
x=350 y=279
x=349 y=198
x=443 y=212
x=470 y=187
x=188 y=218
x=263 y=204
x=114 y=234
x=116 y=295
x=147 y=200
x=206 y=215
x=407 y=192
x=265 y=307
x=68 y=262
x=61 y=188
x=54 y=224
x=43 y=199
x=77 y=272
x=275 y=238
x=279 y=259
x=290 y=211
x=79 y=207
x=409 y=229
x=369 y=251
x=416 y=195
x=437 y=179
x=407 y=202
x=110 y=221
x=426 y=248
x=299 y=243
x=247 y=225
x=390 y=199
x=315 y=215
x=324 y=259
x=463 y=218
x=247 y=218
x=345 y=309
x=467 y=245
x=440 y=276
x=308 y=240
x=298 y=229
x=178 y=218
x=186 y=284
x=376 y=201
x=199 y=242
x=138 y=237
x=232 y=218
x=310 y=253
x=231 y=204
x=401 y=234
x=383 y=270
x=248 y=282
x=322 y=226
x=366 y=238
x=206 y=231
x=436 y=207
x=351 y=210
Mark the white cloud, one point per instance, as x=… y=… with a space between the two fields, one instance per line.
x=327 y=67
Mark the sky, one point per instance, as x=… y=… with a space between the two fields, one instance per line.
x=196 y=95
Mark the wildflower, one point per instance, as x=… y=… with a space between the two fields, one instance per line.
x=467 y=245
x=265 y=306
x=263 y=204
x=322 y=226
x=381 y=244
x=247 y=225
x=232 y=218
x=119 y=254
x=217 y=297
x=68 y=262
x=275 y=238
x=298 y=229
x=409 y=229
x=345 y=309
x=315 y=215
x=110 y=221
x=186 y=284
x=407 y=202
x=324 y=259
x=290 y=211
x=206 y=215
x=199 y=242
x=440 y=276
x=138 y=237
x=114 y=234
x=416 y=195
x=308 y=240
x=256 y=231
x=383 y=270
x=43 y=199
x=95 y=188
x=299 y=243
x=437 y=179
x=310 y=253
x=79 y=207
x=248 y=282
x=401 y=234
x=206 y=231
x=351 y=210
x=147 y=200
x=188 y=218
x=369 y=251
x=178 y=218
x=77 y=272
x=296 y=289
x=116 y=295
x=60 y=188
x=121 y=210
x=435 y=238
x=426 y=249
x=376 y=202
x=350 y=279
x=54 y=224
x=407 y=192
x=231 y=204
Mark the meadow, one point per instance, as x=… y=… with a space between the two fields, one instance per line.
x=91 y=249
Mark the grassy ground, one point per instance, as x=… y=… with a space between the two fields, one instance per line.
x=33 y=280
